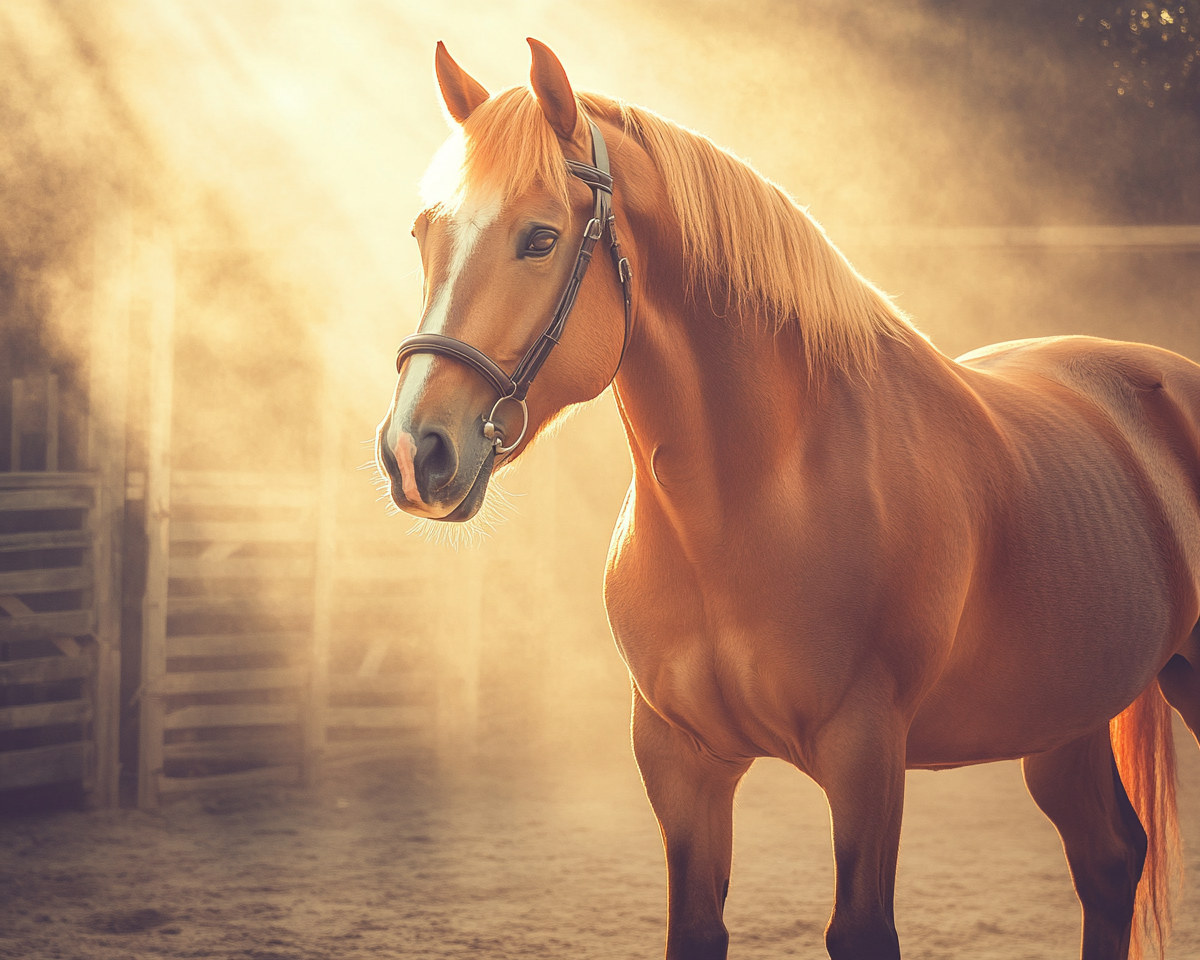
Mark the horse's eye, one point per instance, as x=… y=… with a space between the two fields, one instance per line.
x=540 y=243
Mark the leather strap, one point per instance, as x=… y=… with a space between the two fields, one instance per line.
x=449 y=347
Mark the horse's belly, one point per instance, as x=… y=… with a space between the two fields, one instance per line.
x=1031 y=673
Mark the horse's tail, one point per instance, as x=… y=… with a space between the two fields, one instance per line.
x=1144 y=747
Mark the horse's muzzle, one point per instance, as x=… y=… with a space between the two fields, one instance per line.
x=425 y=476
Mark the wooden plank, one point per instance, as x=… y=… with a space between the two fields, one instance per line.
x=230 y=478
x=44 y=765
x=235 y=645
x=47 y=481
x=47 y=626
x=18 y=404
x=44 y=670
x=381 y=568
x=340 y=754
x=15 y=607
x=46 y=580
x=295 y=605
x=1182 y=237
x=285 y=775
x=261 y=748
x=377 y=718
x=218 y=681
x=44 y=714
x=274 y=497
x=232 y=715
x=374 y=656
x=49 y=498
x=403 y=684
x=158 y=262
x=204 y=568
x=108 y=394
x=242 y=532
x=45 y=540
x=52 y=422
x=135 y=485
x=68 y=646
x=344 y=753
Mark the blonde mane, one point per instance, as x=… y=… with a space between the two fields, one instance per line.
x=750 y=249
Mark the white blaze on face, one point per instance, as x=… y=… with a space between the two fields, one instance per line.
x=467 y=225
x=405 y=450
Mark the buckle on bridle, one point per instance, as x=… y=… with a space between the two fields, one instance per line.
x=594 y=229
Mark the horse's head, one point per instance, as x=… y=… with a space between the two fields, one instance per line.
x=501 y=251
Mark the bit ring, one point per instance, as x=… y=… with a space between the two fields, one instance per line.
x=496 y=435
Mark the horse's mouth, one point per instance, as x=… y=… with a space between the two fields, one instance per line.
x=474 y=499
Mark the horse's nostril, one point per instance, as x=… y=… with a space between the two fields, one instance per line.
x=436 y=461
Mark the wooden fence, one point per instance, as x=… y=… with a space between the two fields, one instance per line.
x=297 y=630
x=57 y=706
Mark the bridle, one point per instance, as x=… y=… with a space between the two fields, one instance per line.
x=514 y=387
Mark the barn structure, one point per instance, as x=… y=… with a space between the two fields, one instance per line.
x=173 y=621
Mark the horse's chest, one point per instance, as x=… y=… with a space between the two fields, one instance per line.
x=710 y=686
x=701 y=665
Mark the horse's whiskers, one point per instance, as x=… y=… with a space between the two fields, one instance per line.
x=497 y=505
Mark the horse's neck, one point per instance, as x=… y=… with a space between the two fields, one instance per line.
x=708 y=401
x=713 y=407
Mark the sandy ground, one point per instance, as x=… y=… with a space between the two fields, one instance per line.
x=392 y=859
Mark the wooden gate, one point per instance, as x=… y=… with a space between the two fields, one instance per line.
x=294 y=632
x=49 y=695
x=59 y=607
x=60 y=559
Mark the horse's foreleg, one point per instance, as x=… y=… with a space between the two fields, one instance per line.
x=861 y=769
x=692 y=796
x=1077 y=786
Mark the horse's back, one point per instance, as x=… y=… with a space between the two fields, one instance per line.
x=1150 y=398
x=1088 y=577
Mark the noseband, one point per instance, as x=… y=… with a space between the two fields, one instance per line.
x=514 y=387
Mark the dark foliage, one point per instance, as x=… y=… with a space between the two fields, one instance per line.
x=1151 y=50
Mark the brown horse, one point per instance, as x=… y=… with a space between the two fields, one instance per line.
x=840 y=547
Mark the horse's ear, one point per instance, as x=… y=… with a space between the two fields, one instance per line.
x=461 y=92
x=553 y=90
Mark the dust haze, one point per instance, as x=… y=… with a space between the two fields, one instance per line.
x=280 y=145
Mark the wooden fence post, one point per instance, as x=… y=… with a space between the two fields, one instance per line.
x=107 y=393
x=157 y=262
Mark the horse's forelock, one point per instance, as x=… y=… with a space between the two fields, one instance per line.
x=504 y=148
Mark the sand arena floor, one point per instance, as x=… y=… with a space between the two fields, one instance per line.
x=392 y=859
